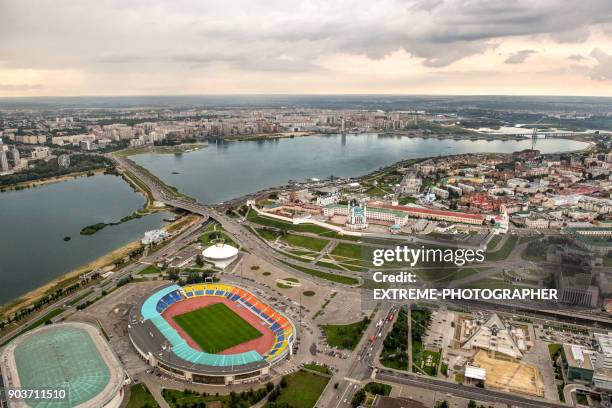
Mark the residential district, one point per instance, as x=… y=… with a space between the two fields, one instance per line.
x=265 y=300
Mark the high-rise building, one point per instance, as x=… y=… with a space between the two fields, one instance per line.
x=15 y=156
x=4 y=164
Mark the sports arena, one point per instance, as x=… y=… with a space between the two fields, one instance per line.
x=210 y=333
x=70 y=356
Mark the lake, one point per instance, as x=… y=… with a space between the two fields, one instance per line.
x=228 y=170
x=34 y=222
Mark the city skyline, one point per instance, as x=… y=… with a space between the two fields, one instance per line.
x=391 y=47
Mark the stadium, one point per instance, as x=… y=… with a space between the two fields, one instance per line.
x=210 y=333
x=70 y=356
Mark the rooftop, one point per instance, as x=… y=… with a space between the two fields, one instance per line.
x=66 y=355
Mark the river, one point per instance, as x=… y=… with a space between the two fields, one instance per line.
x=34 y=222
x=227 y=170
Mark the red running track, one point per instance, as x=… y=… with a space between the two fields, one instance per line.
x=262 y=344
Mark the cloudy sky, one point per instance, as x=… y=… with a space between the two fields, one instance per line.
x=154 y=47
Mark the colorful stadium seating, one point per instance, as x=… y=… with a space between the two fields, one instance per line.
x=155 y=305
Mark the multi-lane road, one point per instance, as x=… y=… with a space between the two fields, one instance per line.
x=362 y=362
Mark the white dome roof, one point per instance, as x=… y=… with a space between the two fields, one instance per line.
x=220 y=251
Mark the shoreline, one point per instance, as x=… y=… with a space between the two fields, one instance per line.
x=21 y=301
x=71 y=276
x=590 y=145
x=176 y=149
x=51 y=180
x=67 y=278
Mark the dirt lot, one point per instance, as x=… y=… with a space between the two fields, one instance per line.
x=511 y=376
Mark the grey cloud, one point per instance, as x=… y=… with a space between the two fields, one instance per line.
x=578 y=35
x=576 y=57
x=252 y=34
x=603 y=70
x=122 y=59
x=519 y=57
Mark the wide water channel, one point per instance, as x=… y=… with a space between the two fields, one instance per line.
x=34 y=222
x=228 y=170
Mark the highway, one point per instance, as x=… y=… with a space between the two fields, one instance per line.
x=108 y=283
x=363 y=360
x=232 y=226
x=452 y=388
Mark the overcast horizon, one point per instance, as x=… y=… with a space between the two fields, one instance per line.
x=344 y=47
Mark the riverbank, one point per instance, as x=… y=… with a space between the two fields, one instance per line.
x=176 y=149
x=268 y=136
x=104 y=263
x=52 y=180
x=142 y=188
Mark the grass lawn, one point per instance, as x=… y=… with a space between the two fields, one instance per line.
x=530 y=238
x=346 y=280
x=325 y=264
x=303 y=389
x=270 y=222
x=315 y=229
x=215 y=231
x=244 y=399
x=582 y=399
x=345 y=336
x=426 y=360
x=504 y=251
x=334 y=234
x=140 y=397
x=494 y=241
x=267 y=234
x=406 y=200
x=319 y=368
x=216 y=328
x=150 y=270
x=46 y=318
x=340 y=266
x=376 y=192
x=554 y=350
x=314 y=244
x=347 y=250
x=80 y=297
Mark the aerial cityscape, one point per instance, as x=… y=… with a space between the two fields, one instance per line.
x=261 y=205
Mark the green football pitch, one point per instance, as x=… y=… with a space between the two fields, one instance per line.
x=216 y=328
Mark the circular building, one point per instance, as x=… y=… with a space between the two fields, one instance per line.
x=210 y=333
x=73 y=357
x=220 y=254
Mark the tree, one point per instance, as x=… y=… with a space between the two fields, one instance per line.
x=358 y=398
x=472 y=404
